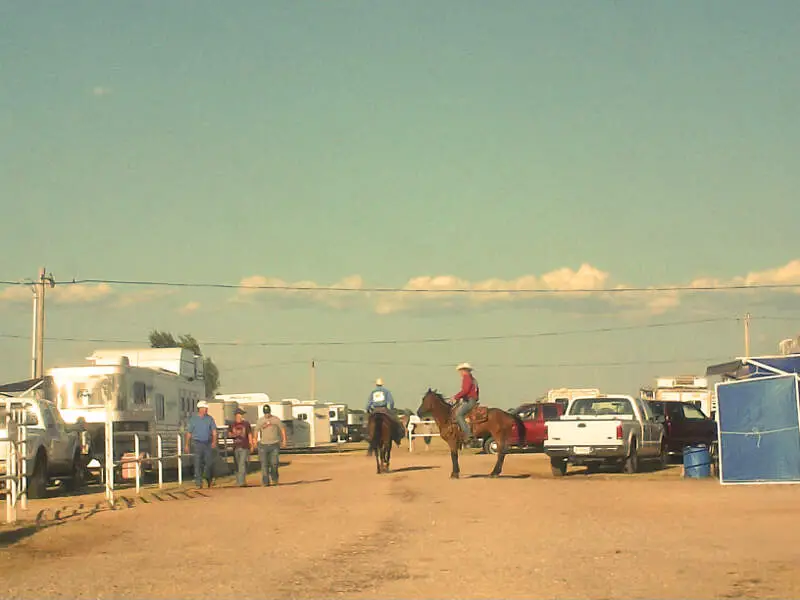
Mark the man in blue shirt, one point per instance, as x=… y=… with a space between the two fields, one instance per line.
x=381 y=399
x=202 y=435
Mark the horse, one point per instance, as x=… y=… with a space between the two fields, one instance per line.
x=381 y=432
x=493 y=421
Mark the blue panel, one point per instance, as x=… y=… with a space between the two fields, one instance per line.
x=759 y=430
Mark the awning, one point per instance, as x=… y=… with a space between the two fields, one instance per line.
x=18 y=387
x=757 y=366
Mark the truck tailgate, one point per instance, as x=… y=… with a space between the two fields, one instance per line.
x=585 y=431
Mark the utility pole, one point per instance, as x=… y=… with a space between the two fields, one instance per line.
x=747 y=335
x=39 y=287
x=313 y=380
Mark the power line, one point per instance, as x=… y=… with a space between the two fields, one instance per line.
x=405 y=290
x=398 y=342
x=561 y=365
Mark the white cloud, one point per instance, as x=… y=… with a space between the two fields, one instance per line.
x=101 y=91
x=82 y=294
x=432 y=293
x=189 y=308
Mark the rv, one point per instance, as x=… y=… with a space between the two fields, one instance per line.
x=151 y=391
x=687 y=388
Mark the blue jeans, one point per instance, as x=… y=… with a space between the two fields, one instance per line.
x=241 y=455
x=461 y=414
x=268 y=455
x=203 y=455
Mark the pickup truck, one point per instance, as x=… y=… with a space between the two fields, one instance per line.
x=535 y=417
x=684 y=424
x=605 y=430
x=54 y=449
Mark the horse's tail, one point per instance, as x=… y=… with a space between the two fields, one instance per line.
x=375 y=430
x=520 y=429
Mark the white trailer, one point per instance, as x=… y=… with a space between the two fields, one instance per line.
x=565 y=396
x=149 y=391
x=315 y=416
x=337 y=414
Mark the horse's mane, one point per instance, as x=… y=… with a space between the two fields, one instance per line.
x=438 y=395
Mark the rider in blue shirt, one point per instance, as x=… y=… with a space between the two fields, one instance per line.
x=380 y=397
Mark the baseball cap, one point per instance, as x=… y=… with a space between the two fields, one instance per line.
x=202 y=404
x=267 y=410
x=239 y=411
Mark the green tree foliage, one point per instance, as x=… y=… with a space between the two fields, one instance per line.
x=164 y=339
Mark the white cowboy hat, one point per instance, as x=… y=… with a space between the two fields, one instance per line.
x=379 y=381
x=464 y=366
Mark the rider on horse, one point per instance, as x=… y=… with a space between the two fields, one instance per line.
x=380 y=399
x=469 y=396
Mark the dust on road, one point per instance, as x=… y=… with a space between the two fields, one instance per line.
x=336 y=529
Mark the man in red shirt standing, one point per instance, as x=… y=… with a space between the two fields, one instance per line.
x=469 y=396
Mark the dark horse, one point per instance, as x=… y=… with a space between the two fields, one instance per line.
x=382 y=431
x=493 y=421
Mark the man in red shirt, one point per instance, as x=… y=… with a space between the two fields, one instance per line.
x=469 y=396
x=243 y=442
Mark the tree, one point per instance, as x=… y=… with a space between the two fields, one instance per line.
x=164 y=339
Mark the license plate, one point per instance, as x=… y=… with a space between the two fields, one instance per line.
x=582 y=450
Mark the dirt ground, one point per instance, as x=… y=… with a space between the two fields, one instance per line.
x=336 y=529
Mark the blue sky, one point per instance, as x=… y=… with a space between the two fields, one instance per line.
x=373 y=143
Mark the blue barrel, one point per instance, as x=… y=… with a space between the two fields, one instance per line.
x=696 y=462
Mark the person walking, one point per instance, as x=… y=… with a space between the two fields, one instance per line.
x=243 y=443
x=201 y=437
x=271 y=434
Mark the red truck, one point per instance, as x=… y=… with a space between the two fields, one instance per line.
x=534 y=416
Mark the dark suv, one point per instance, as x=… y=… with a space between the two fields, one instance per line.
x=685 y=425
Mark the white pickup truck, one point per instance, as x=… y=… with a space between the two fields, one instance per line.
x=54 y=449
x=605 y=430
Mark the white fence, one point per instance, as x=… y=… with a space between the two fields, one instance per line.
x=421 y=429
x=15 y=462
x=140 y=458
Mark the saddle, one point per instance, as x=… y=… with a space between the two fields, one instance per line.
x=479 y=414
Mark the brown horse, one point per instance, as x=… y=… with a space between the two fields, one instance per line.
x=492 y=421
x=382 y=431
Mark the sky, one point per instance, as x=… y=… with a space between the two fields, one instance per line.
x=419 y=145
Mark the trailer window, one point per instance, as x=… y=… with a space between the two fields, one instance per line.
x=139 y=393
x=160 y=407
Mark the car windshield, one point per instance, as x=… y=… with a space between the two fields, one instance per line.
x=598 y=407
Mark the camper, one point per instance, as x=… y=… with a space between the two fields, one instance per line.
x=685 y=388
x=151 y=391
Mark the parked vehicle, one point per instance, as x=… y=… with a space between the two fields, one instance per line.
x=605 y=430
x=152 y=391
x=356 y=425
x=53 y=449
x=535 y=417
x=684 y=424
x=685 y=388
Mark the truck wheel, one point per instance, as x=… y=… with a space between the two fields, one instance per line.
x=558 y=467
x=37 y=481
x=490 y=445
x=631 y=464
